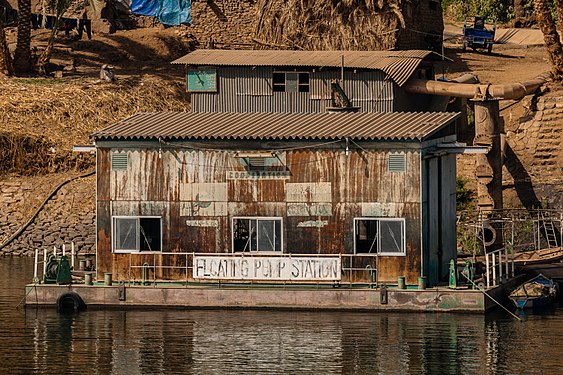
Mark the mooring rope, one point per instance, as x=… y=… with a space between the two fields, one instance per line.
x=34 y=287
x=494 y=300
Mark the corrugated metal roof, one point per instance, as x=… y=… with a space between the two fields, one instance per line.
x=278 y=126
x=399 y=65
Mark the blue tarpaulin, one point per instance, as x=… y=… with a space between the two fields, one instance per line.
x=144 y=7
x=174 y=12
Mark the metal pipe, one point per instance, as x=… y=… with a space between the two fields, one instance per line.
x=512 y=91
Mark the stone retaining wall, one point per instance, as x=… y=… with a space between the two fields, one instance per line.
x=68 y=217
x=533 y=156
x=227 y=21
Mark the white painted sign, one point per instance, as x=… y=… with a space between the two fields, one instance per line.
x=267 y=268
x=309 y=192
x=202 y=223
x=379 y=209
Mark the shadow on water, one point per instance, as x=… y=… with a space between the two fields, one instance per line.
x=275 y=342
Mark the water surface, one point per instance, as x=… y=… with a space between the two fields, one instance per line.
x=40 y=341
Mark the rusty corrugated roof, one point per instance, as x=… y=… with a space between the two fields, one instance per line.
x=278 y=126
x=399 y=65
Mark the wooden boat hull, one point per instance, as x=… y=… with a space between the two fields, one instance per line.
x=537 y=292
x=542 y=256
x=531 y=303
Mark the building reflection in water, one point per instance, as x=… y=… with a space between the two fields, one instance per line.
x=242 y=341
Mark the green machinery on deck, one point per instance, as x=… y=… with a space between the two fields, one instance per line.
x=57 y=271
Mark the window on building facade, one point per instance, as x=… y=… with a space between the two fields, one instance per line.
x=379 y=236
x=290 y=82
x=137 y=234
x=257 y=234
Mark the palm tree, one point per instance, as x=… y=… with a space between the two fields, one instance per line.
x=559 y=5
x=5 y=57
x=22 y=56
x=59 y=7
x=551 y=37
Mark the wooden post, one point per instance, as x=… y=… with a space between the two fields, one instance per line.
x=506 y=263
x=35 y=265
x=500 y=273
x=494 y=269
x=44 y=261
x=488 y=272
x=72 y=254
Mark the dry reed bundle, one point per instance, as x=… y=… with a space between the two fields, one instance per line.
x=42 y=119
x=330 y=24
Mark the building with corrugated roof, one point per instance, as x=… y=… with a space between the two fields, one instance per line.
x=300 y=81
x=346 y=197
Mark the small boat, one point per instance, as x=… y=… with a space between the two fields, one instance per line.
x=524 y=258
x=542 y=256
x=539 y=291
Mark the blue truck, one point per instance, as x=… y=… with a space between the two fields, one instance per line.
x=477 y=35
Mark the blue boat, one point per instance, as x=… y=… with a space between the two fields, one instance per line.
x=537 y=292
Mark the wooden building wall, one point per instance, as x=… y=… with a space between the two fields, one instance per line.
x=197 y=193
x=242 y=89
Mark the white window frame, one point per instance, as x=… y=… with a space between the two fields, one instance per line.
x=378 y=251
x=285 y=73
x=257 y=218
x=137 y=244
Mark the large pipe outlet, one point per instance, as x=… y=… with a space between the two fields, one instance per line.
x=488 y=125
x=512 y=91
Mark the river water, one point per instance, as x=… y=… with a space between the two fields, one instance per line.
x=40 y=341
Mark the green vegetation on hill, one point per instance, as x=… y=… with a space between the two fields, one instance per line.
x=498 y=10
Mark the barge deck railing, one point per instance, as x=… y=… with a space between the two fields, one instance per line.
x=499 y=266
x=353 y=266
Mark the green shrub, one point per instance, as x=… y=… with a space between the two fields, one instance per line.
x=464 y=196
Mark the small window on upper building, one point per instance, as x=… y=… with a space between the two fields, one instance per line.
x=290 y=82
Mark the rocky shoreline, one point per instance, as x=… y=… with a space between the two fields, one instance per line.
x=68 y=216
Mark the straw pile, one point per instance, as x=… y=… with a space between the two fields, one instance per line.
x=43 y=118
x=329 y=24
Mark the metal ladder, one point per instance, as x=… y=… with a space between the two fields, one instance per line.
x=549 y=230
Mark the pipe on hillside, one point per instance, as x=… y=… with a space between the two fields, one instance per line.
x=512 y=91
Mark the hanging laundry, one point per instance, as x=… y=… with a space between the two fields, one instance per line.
x=174 y=12
x=144 y=7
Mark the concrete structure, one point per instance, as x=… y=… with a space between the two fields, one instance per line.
x=288 y=297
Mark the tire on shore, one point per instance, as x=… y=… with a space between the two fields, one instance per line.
x=70 y=302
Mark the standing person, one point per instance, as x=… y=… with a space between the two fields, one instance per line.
x=84 y=23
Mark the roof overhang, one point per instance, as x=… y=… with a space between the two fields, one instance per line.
x=398 y=65
x=457 y=148
x=210 y=126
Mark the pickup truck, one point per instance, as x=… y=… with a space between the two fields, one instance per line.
x=477 y=35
